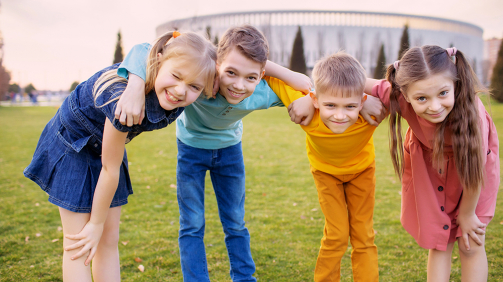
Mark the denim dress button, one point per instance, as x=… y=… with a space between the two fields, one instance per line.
x=446 y=227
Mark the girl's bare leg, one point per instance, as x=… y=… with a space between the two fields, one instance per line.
x=74 y=270
x=474 y=261
x=439 y=264
x=106 y=264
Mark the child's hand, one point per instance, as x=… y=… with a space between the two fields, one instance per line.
x=131 y=105
x=470 y=226
x=300 y=82
x=372 y=107
x=301 y=111
x=89 y=239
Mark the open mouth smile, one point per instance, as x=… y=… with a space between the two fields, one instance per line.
x=235 y=94
x=171 y=98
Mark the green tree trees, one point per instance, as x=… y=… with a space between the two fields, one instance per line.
x=74 y=85
x=380 y=70
x=297 y=59
x=497 y=77
x=29 y=88
x=404 y=42
x=118 y=56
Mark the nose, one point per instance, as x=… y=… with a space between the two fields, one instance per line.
x=180 y=89
x=339 y=115
x=238 y=84
x=435 y=105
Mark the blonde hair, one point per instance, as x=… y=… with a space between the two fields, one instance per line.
x=195 y=50
x=339 y=73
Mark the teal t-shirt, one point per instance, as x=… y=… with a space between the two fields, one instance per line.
x=206 y=123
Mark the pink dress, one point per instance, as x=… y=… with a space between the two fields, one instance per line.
x=430 y=197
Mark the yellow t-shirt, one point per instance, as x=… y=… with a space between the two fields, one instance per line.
x=346 y=153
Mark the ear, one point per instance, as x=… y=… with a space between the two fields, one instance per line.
x=262 y=74
x=315 y=100
x=364 y=98
x=159 y=55
x=405 y=97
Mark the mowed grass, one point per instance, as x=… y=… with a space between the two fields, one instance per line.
x=282 y=210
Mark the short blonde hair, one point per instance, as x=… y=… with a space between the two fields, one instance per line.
x=339 y=73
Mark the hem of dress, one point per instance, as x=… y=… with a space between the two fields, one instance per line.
x=69 y=207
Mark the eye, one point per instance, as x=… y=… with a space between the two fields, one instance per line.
x=351 y=106
x=196 y=88
x=175 y=76
x=443 y=93
x=421 y=99
x=230 y=73
x=253 y=78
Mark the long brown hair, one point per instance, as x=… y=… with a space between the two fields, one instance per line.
x=419 y=63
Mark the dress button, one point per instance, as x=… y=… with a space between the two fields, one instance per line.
x=442 y=208
x=440 y=188
x=95 y=145
x=446 y=227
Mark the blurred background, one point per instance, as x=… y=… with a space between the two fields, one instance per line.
x=47 y=47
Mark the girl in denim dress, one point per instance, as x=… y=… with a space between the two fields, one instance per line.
x=80 y=159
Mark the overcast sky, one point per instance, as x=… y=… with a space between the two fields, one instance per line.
x=52 y=43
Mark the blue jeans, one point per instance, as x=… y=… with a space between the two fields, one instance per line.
x=227 y=173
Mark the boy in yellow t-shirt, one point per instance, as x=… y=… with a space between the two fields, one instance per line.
x=340 y=149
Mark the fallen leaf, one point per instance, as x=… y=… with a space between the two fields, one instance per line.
x=399 y=192
x=27 y=239
x=294 y=204
x=138 y=260
x=148 y=186
x=124 y=242
x=263 y=194
x=375 y=232
x=302 y=217
x=163 y=203
x=37 y=204
x=141 y=267
x=38 y=234
x=501 y=222
x=60 y=228
x=454 y=257
x=315 y=209
x=172 y=186
x=261 y=156
x=55 y=240
x=32 y=266
x=160 y=152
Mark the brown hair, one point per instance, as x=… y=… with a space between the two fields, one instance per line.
x=248 y=40
x=339 y=71
x=463 y=120
x=194 y=49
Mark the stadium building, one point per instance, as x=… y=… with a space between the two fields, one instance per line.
x=358 y=33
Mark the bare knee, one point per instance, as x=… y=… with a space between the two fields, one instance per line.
x=109 y=239
x=475 y=249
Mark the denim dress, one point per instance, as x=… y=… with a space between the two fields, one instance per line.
x=67 y=161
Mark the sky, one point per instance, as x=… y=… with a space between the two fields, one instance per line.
x=52 y=43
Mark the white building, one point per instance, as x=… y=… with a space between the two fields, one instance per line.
x=358 y=33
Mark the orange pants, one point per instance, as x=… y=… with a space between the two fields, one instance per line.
x=347 y=201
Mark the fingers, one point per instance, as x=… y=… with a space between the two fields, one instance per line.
x=77 y=245
x=82 y=252
x=142 y=115
x=90 y=256
x=467 y=241
x=122 y=118
x=118 y=110
x=475 y=238
x=369 y=119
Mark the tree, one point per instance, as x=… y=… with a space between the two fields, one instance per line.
x=208 y=32
x=497 y=77
x=215 y=41
x=380 y=70
x=14 y=88
x=118 y=56
x=4 y=81
x=298 y=60
x=74 y=85
x=404 y=42
x=29 y=88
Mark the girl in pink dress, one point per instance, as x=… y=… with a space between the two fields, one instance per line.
x=448 y=161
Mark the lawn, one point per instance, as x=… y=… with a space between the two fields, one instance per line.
x=282 y=210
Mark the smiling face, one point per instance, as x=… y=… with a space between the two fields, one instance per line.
x=239 y=76
x=337 y=111
x=175 y=84
x=432 y=98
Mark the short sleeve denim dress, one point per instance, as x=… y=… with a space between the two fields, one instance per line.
x=67 y=161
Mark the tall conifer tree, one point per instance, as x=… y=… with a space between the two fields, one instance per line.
x=497 y=77
x=404 y=42
x=297 y=59
x=118 y=56
x=380 y=70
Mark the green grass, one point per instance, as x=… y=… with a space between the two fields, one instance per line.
x=283 y=213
